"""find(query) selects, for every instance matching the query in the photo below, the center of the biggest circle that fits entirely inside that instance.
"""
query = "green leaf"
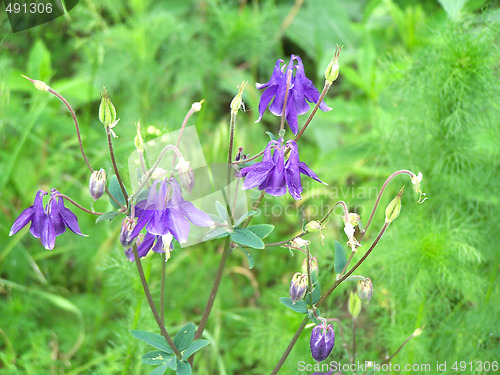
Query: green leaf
(261, 230)
(156, 357)
(216, 233)
(185, 336)
(271, 136)
(221, 210)
(316, 293)
(251, 262)
(194, 347)
(299, 306)
(172, 364)
(246, 237)
(107, 216)
(340, 258)
(160, 370)
(244, 217)
(159, 342)
(183, 368)
(116, 191)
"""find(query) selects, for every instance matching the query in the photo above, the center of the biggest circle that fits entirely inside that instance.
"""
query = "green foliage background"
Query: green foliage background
(418, 90)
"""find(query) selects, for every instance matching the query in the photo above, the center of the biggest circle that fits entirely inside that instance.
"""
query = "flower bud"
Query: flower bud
(298, 287)
(186, 175)
(322, 342)
(418, 332)
(313, 226)
(365, 290)
(42, 86)
(196, 106)
(354, 305)
(139, 143)
(394, 208)
(313, 267)
(107, 111)
(128, 226)
(97, 183)
(332, 70)
(237, 101)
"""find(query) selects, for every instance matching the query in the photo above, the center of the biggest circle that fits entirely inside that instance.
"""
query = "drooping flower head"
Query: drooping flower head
(49, 222)
(274, 175)
(322, 341)
(165, 215)
(301, 91)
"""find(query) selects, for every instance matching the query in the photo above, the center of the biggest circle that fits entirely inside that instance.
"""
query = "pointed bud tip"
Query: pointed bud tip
(40, 85)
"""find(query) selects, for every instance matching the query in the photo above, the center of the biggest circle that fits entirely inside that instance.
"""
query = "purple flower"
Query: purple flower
(274, 175)
(322, 341)
(47, 223)
(165, 214)
(301, 91)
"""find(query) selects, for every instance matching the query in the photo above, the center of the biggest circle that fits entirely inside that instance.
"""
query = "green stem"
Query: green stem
(162, 288)
(215, 288)
(113, 161)
(152, 306)
(77, 127)
(77, 205)
(411, 174)
(337, 282)
(290, 346)
(353, 340)
(322, 299)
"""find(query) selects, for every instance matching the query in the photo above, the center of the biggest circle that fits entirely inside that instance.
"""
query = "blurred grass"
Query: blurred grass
(418, 90)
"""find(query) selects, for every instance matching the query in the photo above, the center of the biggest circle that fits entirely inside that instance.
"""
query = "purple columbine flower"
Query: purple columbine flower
(165, 214)
(300, 91)
(274, 175)
(322, 341)
(49, 222)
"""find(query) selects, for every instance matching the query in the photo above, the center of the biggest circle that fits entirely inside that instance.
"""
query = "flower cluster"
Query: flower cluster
(165, 215)
(274, 175)
(49, 222)
(300, 91)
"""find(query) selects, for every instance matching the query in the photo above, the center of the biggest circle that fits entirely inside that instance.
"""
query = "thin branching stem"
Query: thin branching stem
(77, 127)
(113, 161)
(323, 298)
(409, 173)
(241, 161)
(162, 287)
(303, 233)
(153, 168)
(152, 306)
(215, 288)
(77, 205)
(290, 346)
